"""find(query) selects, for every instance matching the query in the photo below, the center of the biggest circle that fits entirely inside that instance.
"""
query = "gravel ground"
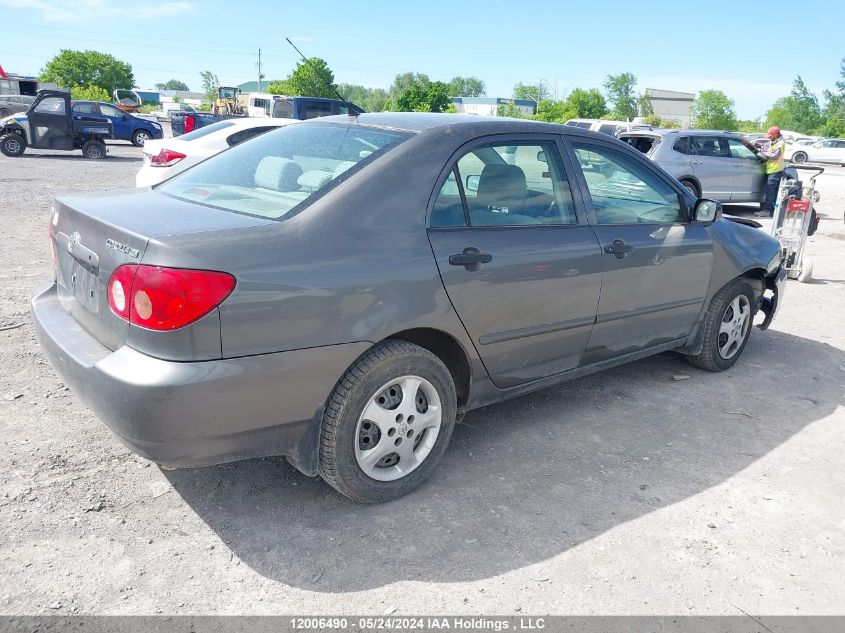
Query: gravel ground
(626, 492)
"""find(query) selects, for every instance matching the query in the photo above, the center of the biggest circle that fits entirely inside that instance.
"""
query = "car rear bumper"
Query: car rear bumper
(182, 414)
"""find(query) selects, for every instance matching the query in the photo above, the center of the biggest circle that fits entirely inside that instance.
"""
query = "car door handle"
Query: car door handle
(697, 162)
(618, 248)
(471, 258)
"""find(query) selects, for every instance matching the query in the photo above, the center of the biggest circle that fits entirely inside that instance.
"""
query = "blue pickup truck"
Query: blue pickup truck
(183, 121)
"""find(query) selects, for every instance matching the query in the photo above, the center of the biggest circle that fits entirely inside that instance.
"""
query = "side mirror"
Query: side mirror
(541, 157)
(472, 183)
(707, 210)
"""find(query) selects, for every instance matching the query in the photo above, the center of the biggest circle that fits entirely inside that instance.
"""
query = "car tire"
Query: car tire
(139, 137)
(4, 113)
(806, 273)
(690, 186)
(12, 145)
(727, 327)
(799, 157)
(379, 384)
(94, 150)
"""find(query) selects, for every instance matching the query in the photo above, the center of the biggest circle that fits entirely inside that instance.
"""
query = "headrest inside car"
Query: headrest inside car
(278, 174)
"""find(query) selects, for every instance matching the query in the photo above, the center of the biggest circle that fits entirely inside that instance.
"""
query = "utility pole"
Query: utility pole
(260, 76)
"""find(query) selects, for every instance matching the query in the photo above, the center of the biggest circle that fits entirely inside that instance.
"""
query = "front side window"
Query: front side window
(624, 191)
(314, 109)
(110, 111)
(280, 172)
(608, 128)
(51, 105)
(509, 185)
(709, 146)
(739, 149)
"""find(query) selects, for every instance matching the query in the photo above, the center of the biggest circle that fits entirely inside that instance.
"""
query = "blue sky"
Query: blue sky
(669, 45)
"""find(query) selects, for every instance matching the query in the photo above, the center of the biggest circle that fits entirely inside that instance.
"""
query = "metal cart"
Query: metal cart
(792, 221)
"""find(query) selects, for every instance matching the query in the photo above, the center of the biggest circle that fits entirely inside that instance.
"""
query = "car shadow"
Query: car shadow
(525, 480)
(77, 156)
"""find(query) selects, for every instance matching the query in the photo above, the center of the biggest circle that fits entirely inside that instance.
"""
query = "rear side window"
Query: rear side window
(245, 135)
(608, 129)
(314, 109)
(279, 173)
(645, 144)
(682, 145)
(506, 185)
(205, 131)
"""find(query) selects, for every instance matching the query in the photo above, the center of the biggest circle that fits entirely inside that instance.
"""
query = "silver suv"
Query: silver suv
(712, 164)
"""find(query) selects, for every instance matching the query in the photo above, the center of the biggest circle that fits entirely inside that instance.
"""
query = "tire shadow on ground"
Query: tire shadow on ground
(525, 480)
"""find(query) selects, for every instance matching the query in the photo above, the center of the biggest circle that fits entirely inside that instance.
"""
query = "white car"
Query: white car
(828, 151)
(167, 157)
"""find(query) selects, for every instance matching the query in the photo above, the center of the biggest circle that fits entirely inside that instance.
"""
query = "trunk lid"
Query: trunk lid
(92, 236)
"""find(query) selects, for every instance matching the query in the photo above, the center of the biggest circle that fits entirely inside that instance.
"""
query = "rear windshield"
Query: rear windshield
(280, 172)
(645, 144)
(205, 131)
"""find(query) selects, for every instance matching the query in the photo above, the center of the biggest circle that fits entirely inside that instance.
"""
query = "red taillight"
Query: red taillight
(166, 158)
(161, 298)
(190, 123)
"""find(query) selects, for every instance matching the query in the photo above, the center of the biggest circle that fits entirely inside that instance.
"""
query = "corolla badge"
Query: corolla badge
(73, 240)
(122, 248)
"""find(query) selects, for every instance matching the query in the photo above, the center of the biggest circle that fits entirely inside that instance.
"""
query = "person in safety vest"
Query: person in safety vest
(773, 154)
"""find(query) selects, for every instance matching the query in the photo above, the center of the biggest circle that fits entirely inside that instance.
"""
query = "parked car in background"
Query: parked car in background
(340, 291)
(827, 151)
(167, 157)
(611, 128)
(12, 104)
(713, 164)
(125, 126)
(301, 108)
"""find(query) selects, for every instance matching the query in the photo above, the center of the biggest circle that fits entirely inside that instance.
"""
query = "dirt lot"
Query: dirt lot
(625, 492)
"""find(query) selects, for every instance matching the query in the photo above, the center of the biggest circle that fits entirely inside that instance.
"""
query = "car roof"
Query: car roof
(667, 132)
(418, 122)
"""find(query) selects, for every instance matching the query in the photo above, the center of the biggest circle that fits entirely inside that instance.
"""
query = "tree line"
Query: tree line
(93, 75)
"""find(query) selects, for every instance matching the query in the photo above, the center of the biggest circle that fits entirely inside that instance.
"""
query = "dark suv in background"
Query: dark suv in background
(711, 164)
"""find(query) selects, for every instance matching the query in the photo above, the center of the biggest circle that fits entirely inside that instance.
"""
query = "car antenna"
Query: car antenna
(349, 109)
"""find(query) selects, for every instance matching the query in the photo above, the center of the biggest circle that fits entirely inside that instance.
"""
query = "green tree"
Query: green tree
(404, 81)
(314, 79)
(466, 87)
(658, 121)
(371, 99)
(509, 110)
(433, 98)
(644, 106)
(209, 85)
(833, 115)
(70, 69)
(585, 104)
(621, 93)
(172, 84)
(712, 109)
(799, 111)
(537, 92)
(90, 93)
(554, 111)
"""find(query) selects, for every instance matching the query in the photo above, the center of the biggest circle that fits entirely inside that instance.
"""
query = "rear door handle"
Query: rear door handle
(471, 259)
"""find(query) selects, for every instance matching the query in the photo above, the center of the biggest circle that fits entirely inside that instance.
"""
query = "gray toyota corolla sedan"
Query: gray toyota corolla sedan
(342, 291)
